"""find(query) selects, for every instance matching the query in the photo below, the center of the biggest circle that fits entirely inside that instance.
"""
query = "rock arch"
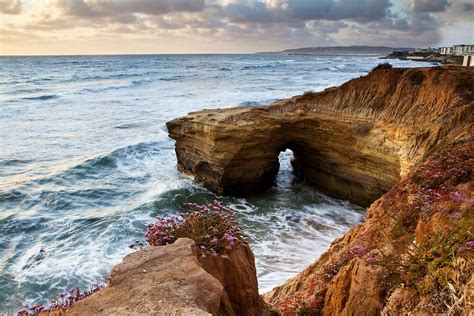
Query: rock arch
(236, 152)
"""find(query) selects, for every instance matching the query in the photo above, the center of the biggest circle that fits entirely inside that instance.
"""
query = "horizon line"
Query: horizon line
(196, 53)
(123, 54)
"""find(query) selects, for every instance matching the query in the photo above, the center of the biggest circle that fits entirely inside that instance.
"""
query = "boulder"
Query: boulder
(171, 280)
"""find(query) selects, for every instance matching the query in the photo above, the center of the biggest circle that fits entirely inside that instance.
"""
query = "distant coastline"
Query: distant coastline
(425, 57)
(341, 51)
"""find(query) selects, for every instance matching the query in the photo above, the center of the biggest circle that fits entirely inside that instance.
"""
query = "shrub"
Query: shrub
(308, 92)
(382, 66)
(458, 288)
(440, 268)
(60, 302)
(213, 228)
(417, 78)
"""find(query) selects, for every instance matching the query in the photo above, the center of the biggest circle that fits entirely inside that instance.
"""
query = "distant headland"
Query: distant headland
(341, 50)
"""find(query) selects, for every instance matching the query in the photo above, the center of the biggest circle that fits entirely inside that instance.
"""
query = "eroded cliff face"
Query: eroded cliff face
(403, 132)
(175, 280)
(355, 141)
(413, 254)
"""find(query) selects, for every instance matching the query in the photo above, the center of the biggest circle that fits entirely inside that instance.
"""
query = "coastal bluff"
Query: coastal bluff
(399, 140)
(354, 141)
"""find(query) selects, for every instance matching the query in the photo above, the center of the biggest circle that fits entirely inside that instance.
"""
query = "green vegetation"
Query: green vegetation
(440, 268)
(417, 78)
(382, 66)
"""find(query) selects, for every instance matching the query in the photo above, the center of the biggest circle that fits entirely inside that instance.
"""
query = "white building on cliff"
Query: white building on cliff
(456, 50)
(468, 59)
(446, 50)
(459, 50)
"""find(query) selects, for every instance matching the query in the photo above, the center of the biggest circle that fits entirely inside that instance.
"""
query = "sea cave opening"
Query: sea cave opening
(289, 174)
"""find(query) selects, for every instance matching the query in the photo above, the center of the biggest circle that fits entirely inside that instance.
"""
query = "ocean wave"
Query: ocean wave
(12, 196)
(140, 81)
(41, 97)
(102, 166)
(14, 162)
(20, 91)
(258, 67)
(128, 125)
(225, 69)
(132, 84)
(172, 78)
(249, 103)
(20, 81)
(120, 75)
(259, 102)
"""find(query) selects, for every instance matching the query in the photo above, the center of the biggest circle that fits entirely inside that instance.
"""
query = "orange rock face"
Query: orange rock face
(400, 139)
(402, 257)
(355, 141)
(237, 273)
(170, 280)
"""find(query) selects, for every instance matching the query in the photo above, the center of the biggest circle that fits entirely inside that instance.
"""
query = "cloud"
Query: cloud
(468, 6)
(426, 6)
(362, 10)
(284, 11)
(235, 25)
(101, 8)
(10, 6)
(458, 11)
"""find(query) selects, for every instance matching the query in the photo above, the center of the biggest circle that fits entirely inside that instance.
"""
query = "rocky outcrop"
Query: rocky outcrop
(355, 141)
(174, 280)
(237, 273)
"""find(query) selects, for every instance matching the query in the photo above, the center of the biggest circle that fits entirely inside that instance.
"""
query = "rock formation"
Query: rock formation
(173, 280)
(403, 132)
(415, 240)
(355, 141)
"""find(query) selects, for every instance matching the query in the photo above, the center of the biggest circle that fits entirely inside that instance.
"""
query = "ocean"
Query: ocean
(86, 163)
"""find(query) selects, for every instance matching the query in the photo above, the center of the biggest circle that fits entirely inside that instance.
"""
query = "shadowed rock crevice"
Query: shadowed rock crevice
(353, 142)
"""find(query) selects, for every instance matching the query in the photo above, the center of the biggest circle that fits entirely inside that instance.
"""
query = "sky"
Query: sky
(62, 27)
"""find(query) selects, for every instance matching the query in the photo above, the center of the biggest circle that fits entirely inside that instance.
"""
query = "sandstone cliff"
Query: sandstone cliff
(174, 280)
(407, 132)
(415, 241)
(355, 141)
